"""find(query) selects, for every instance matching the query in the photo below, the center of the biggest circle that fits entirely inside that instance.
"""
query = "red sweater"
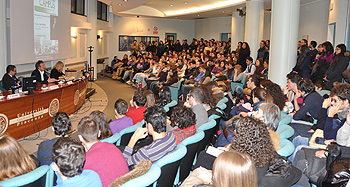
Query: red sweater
(107, 161)
(136, 114)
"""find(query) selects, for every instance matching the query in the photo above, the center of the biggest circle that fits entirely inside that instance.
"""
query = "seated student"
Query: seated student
(9, 79)
(101, 119)
(195, 101)
(68, 156)
(163, 142)
(250, 66)
(320, 87)
(40, 75)
(251, 137)
(122, 121)
(185, 120)
(331, 117)
(137, 107)
(61, 126)
(15, 161)
(292, 88)
(270, 114)
(231, 169)
(312, 101)
(102, 157)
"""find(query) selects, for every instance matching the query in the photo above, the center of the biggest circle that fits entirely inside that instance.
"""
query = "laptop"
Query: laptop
(77, 76)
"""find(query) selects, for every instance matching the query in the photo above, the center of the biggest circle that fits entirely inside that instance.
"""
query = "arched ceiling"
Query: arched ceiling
(180, 9)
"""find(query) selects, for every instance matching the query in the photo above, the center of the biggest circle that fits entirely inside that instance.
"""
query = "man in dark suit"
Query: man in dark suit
(40, 75)
(9, 79)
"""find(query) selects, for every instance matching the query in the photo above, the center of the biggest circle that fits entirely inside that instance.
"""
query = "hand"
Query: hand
(131, 102)
(243, 114)
(204, 175)
(320, 154)
(333, 110)
(224, 149)
(326, 103)
(140, 133)
(325, 78)
(327, 142)
(187, 104)
(297, 95)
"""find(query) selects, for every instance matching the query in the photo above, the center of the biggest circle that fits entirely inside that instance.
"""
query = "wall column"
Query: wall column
(284, 39)
(92, 34)
(236, 30)
(254, 25)
(3, 37)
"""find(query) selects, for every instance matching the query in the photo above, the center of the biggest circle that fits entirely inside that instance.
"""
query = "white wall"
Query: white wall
(212, 27)
(339, 17)
(133, 26)
(313, 20)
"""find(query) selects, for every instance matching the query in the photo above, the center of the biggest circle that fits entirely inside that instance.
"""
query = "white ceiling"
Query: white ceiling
(158, 8)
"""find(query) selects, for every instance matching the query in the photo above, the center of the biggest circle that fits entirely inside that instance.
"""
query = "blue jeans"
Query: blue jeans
(299, 142)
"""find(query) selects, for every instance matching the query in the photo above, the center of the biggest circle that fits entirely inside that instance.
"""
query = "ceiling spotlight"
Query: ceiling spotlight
(125, 0)
(198, 15)
(186, 2)
(223, 11)
(120, 4)
(171, 5)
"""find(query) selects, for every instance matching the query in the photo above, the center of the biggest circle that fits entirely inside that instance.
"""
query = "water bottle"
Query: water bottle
(140, 85)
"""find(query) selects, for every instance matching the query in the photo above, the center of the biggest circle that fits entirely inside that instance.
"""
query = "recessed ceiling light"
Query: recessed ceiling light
(171, 5)
(120, 4)
(186, 2)
(198, 15)
(175, 17)
(204, 8)
(223, 11)
(125, 0)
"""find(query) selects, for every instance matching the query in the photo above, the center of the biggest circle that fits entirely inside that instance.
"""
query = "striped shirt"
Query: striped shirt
(153, 152)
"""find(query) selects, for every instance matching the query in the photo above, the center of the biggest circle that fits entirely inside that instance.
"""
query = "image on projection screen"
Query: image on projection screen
(41, 32)
(43, 44)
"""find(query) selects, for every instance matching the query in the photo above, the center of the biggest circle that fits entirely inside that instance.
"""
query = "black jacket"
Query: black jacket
(8, 81)
(37, 75)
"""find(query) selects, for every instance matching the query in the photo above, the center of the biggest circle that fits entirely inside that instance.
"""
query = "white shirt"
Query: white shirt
(42, 75)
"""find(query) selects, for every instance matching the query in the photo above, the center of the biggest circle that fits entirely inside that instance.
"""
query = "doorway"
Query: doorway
(171, 36)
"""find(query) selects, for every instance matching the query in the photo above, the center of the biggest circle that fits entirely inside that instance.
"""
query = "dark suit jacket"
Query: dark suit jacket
(8, 81)
(37, 75)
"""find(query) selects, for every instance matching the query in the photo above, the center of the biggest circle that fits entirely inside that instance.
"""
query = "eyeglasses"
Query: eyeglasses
(335, 100)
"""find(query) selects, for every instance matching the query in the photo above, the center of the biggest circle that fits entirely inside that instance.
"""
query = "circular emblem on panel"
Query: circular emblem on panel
(3, 123)
(54, 107)
(76, 97)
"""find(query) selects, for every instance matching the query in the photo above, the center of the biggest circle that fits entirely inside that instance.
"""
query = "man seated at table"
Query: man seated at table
(9, 79)
(40, 75)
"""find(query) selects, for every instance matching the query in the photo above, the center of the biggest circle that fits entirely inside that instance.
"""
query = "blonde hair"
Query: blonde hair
(233, 169)
(58, 65)
(15, 160)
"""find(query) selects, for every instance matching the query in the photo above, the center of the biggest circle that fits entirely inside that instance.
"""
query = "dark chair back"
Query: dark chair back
(192, 144)
(126, 138)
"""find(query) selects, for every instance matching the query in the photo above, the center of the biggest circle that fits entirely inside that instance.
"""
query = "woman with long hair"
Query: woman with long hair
(304, 59)
(101, 119)
(151, 101)
(228, 172)
(322, 61)
(164, 96)
(14, 160)
(243, 54)
(57, 71)
(337, 67)
(259, 64)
